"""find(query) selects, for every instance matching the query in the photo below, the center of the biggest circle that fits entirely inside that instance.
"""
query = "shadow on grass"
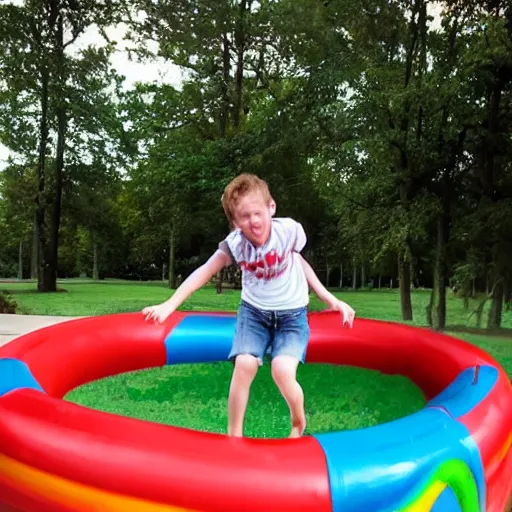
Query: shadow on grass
(31, 292)
(501, 332)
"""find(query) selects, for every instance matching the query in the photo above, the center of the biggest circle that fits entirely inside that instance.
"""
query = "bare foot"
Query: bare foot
(298, 428)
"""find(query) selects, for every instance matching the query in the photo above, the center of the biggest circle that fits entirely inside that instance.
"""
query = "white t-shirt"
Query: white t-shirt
(272, 275)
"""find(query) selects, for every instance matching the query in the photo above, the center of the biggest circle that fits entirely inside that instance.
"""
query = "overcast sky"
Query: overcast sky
(133, 71)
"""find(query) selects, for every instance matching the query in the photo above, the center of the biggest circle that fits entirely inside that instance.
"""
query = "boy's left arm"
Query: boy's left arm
(324, 295)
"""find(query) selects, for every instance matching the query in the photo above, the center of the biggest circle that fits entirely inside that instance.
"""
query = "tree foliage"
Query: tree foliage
(384, 129)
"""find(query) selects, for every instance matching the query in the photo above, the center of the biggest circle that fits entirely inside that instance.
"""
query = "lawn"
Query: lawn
(194, 396)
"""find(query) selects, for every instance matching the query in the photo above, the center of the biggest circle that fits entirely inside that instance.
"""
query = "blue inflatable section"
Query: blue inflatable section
(15, 374)
(200, 339)
(446, 501)
(469, 388)
(397, 458)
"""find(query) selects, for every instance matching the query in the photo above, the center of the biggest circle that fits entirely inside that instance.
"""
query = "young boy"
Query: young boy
(273, 309)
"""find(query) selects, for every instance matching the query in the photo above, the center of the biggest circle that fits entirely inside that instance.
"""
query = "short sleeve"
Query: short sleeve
(224, 247)
(300, 238)
(291, 233)
(230, 244)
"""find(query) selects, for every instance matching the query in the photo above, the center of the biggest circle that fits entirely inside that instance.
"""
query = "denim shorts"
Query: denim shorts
(258, 332)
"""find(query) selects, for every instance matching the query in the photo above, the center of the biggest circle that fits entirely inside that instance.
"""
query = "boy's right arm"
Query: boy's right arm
(194, 281)
(324, 295)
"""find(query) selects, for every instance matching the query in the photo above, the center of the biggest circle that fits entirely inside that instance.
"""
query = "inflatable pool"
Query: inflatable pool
(454, 455)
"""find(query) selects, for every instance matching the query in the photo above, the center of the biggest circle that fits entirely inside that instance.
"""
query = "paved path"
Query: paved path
(12, 326)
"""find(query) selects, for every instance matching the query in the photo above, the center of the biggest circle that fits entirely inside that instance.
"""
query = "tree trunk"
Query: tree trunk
(327, 275)
(341, 275)
(224, 109)
(494, 320)
(440, 268)
(53, 249)
(507, 294)
(354, 277)
(363, 276)
(445, 193)
(20, 261)
(239, 76)
(42, 285)
(218, 282)
(50, 194)
(438, 302)
(404, 276)
(95, 271)
(406, 183)
(466, 301)
(380, 281)
(48, 280)
(172, 254)
(489, 183)
(34, 258)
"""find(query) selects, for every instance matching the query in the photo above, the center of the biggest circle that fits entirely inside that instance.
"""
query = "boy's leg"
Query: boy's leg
(252, 337)
(290, 342)
(246, 367)
(284, 371)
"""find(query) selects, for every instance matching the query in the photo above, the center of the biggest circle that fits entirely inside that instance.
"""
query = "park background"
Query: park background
(383, 127)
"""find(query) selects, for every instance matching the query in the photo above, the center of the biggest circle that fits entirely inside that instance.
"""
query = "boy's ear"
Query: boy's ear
(272, 207)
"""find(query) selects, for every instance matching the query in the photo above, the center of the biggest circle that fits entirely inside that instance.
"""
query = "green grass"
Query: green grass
(195, 396)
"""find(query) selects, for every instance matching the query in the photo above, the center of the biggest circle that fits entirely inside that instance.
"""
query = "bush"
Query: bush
(8, 269)
(7, 304)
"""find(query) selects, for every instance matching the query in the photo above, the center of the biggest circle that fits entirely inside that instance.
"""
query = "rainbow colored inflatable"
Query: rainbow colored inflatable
(455, 455)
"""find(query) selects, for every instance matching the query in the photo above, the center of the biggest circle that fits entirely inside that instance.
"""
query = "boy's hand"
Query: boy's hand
(157, 313)
(347, 312)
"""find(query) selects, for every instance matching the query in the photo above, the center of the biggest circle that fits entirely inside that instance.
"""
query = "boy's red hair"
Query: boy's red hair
(239, 187)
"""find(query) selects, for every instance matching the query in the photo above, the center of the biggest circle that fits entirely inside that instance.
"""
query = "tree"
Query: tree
(41, 77)
(17, 186)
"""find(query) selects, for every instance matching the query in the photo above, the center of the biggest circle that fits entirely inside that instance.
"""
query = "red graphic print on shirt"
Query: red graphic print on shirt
(270, 266)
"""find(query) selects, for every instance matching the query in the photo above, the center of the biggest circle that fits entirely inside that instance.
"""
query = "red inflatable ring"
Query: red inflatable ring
(454, 455)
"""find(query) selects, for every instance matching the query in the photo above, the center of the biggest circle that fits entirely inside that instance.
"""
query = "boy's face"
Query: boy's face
(253, 216)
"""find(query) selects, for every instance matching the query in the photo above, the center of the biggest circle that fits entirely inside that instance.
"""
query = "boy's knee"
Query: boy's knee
(284, 368)
(246, 365)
